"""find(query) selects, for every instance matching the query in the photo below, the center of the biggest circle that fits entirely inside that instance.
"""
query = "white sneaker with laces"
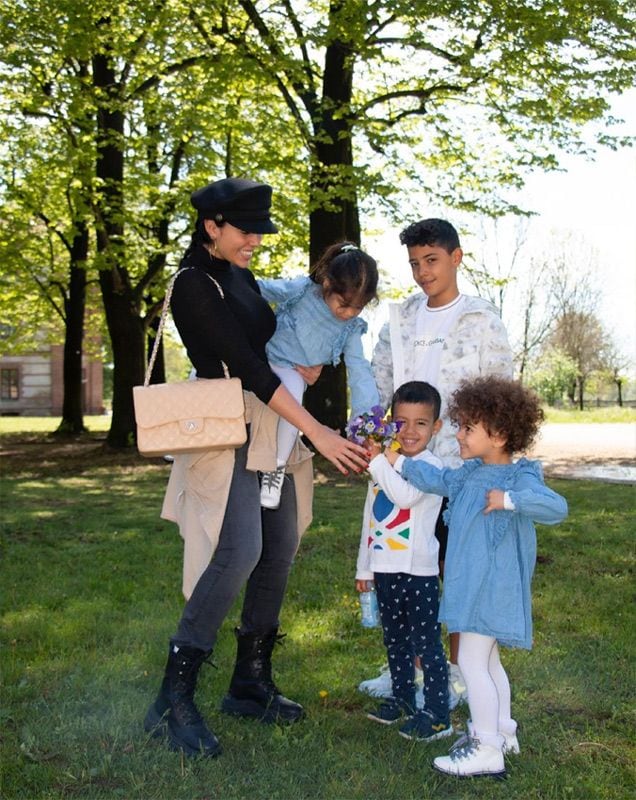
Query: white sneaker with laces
(271, 487)
(382, 686)
(469, 758)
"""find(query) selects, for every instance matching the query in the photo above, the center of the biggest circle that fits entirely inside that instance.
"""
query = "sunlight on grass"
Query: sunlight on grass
(95, 424)
(92, 596)
(592, 415)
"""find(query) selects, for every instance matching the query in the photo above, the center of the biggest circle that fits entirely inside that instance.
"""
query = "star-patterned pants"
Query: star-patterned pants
(409, 605)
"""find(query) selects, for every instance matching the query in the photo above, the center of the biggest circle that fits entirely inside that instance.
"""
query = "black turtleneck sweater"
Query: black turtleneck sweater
(234, 330)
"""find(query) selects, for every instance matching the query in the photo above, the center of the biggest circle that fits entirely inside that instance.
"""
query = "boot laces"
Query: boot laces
(265, 651)
(464, 747)
(183, 687)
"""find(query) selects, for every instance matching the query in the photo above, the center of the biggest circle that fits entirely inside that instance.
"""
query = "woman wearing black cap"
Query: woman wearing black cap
(215, 497)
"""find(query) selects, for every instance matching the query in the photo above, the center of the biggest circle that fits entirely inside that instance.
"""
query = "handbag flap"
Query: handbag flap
(214, 398)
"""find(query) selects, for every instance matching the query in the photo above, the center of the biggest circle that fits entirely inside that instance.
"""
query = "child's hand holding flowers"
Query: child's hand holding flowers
(373, 430)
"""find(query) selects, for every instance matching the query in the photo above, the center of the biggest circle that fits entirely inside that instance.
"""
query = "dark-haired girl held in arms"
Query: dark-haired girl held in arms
(493, 503)
(318, 322)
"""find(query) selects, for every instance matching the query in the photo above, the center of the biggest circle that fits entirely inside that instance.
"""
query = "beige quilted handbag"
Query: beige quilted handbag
(189, 416)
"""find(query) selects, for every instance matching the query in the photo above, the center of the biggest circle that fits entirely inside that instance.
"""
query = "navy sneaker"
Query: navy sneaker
(388, 713)
(424, 727)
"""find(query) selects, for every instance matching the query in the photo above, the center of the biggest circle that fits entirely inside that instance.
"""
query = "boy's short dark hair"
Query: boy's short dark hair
(431, 232)
(417, 392)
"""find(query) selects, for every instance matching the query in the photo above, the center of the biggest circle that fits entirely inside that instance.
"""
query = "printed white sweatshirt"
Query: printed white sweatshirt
(398, 525)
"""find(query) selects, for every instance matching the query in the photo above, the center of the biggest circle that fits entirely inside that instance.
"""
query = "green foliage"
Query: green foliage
(91, 593)
(114, 112)
(552, 375)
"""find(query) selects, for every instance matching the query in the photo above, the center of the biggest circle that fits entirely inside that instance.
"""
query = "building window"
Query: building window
(9, 383)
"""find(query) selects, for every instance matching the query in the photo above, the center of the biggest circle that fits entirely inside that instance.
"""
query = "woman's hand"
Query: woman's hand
(374, 448)
(309, 374)
(342, 453)
(494, 501)
(364, 586)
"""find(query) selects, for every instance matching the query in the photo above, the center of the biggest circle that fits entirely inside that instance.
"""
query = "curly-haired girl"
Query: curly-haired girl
(493, 503)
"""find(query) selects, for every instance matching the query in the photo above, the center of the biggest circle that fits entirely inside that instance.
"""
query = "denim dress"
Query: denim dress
(307, 333)
(490, 557)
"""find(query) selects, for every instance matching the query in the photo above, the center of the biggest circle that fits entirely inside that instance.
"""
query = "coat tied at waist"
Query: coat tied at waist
(199, 486)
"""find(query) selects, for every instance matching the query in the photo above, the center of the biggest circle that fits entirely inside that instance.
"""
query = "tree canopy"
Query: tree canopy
(114, 112)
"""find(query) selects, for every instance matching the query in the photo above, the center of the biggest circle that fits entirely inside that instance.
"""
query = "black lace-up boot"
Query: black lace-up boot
(174, 713)
(252, 691)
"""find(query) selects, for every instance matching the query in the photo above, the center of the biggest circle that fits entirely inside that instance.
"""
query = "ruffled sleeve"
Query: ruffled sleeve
(532, 497)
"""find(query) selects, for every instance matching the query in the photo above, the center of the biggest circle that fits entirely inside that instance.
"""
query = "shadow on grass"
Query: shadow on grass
(91, 594)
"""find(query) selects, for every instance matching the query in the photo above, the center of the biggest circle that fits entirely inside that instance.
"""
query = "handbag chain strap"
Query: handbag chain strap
(162, 322)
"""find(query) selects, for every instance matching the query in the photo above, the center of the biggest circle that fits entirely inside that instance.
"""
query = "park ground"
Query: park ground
(91, 581)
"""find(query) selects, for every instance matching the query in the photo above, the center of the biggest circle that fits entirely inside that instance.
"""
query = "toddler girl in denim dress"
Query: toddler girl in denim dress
(317, 322)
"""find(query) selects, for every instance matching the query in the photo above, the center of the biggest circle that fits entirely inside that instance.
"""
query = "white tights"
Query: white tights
(488, 687)
(287, 432)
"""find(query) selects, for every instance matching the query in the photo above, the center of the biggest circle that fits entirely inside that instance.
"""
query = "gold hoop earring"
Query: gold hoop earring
(214, 250)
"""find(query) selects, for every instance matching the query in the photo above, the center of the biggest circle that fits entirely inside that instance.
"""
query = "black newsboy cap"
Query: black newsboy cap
(241, 202)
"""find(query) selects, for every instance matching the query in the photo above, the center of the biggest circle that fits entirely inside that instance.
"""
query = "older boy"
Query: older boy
(443, 337)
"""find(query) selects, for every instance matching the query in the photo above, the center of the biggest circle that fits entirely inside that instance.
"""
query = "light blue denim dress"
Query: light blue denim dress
(490, 557)
(307, 333)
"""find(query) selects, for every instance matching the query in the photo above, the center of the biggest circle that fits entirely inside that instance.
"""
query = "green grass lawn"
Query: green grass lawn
(609, 414)
(101, 424)
(91, 593)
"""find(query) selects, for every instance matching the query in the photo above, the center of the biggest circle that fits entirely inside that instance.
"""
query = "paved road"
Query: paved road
(600, 441)
(603, 451)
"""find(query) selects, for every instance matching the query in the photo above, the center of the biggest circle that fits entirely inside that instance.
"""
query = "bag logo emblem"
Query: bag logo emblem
(191, 425)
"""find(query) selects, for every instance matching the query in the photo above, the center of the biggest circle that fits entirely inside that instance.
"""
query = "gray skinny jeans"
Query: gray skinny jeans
(256, 549)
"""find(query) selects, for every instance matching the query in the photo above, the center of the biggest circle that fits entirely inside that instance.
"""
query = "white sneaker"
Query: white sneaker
(382, 686)
(469, 758)
(511, 743)
(271, 487)
(457, 692)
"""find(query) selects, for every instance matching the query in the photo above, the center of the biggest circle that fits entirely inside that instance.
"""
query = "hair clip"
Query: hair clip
(347, 247)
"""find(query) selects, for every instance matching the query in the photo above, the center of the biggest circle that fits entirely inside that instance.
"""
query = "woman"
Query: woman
(215, 497)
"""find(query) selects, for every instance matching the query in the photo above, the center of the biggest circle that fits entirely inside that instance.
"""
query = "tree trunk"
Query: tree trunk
(619, 386)
(127, 338)
(74, 308)
(158, 374)
(125, 325)
(334, 214)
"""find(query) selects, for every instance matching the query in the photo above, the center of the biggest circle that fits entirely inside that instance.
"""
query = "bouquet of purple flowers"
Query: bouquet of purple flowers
(372, 425)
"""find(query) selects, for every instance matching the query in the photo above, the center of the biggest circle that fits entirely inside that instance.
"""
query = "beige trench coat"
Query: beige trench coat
(199, 486)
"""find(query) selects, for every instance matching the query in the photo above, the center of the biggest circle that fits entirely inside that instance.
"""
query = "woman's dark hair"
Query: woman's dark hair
(504, 407)
(350, 272)
(200, 236)
(431, 232)
(417, 392)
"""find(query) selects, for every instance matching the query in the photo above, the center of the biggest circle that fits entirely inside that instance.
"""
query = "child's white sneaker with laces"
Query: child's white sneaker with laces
(470, 757)
(382, 686)
(271, 487)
